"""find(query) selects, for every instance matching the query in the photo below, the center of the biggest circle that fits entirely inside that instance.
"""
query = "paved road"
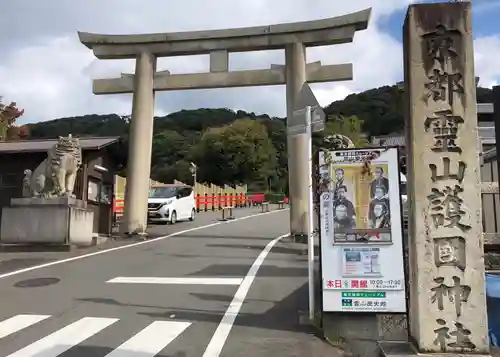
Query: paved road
(229, 289)
(15, 258)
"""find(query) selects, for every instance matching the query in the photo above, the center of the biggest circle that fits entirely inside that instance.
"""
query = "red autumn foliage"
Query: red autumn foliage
(8, 116)
(17, 132)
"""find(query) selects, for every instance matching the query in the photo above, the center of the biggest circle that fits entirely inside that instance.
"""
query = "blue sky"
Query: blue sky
(486, 19)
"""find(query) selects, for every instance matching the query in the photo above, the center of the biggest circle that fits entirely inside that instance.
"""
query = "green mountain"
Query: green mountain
(237, 146)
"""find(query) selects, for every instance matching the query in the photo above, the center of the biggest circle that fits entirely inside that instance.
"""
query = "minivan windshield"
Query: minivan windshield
(163, 192)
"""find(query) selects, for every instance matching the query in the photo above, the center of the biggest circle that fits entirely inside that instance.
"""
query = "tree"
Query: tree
(381, 109)
(177, 171)
(17, 132)
(276, 129)
(350, 126)
(237, 153)
(224, 155)
(168, 147)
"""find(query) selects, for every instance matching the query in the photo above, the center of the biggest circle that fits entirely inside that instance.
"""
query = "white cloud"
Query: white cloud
(48, 81)
(48, 72)
(487, 53)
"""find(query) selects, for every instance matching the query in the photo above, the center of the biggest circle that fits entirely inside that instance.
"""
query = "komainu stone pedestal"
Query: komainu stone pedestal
(60, 221)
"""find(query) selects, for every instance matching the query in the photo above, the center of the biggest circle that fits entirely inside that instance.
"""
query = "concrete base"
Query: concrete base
(60, 201)
(97, 239)
(359, 333)
(60, 221)
(406, 349)
(138, 235)
(299, 238)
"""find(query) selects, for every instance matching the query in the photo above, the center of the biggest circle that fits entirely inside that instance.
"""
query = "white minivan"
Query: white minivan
(171, 203)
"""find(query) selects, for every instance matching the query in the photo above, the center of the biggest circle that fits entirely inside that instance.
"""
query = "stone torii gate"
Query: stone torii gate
(145, 48)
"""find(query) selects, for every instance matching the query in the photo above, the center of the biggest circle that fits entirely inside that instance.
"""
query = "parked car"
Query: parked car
(170, 203)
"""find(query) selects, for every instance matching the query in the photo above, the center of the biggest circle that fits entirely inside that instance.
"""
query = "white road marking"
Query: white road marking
(36, 267)
(151, 340)
(221, 334)
(19, 322)
(179, 281)
(62, 340)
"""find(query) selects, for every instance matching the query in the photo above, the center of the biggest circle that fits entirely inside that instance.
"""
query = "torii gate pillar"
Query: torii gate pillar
(140, 146)
(295, 69)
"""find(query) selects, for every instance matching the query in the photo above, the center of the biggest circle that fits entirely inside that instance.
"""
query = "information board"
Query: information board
(361, 232)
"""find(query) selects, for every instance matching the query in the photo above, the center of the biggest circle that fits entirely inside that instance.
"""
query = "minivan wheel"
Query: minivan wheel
(173, 218)
(193, 214)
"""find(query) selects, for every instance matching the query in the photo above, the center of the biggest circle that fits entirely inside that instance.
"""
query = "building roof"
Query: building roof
(42, 145)
(488, 155)
(389, 140)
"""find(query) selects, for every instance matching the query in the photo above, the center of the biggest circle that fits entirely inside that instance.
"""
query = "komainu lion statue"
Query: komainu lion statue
(56, 175)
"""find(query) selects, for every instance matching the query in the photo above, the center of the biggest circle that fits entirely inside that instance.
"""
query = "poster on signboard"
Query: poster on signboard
(361, 231)
(361, 204)
(360, 261)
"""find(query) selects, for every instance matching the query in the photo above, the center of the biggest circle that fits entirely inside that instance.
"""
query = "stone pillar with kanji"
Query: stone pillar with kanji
(447, 291)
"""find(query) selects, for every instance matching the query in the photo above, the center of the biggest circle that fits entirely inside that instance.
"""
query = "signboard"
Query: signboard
(317, 119)
(297, 124)
(364, 301)
(307, 98)
(361, 232)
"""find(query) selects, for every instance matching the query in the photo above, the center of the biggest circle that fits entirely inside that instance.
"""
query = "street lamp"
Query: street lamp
(192, 169)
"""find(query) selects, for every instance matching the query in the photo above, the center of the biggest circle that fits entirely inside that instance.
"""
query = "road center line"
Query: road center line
(25, 270)
(178, 281)
(221, 334)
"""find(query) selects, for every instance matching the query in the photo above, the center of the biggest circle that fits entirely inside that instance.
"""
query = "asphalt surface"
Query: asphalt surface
(244, 301)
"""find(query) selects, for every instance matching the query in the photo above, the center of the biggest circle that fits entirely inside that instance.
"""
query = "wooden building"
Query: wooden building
(101, 158)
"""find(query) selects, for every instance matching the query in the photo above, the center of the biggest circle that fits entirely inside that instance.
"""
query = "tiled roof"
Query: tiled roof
(91, 143)
(389, 140)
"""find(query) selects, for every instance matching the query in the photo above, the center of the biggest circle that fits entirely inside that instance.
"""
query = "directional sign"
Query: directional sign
(296, 130)
(307, 98)
(317, 120)
(297, 124)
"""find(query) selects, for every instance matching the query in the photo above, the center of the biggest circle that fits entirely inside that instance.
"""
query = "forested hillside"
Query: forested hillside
(239, 147)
